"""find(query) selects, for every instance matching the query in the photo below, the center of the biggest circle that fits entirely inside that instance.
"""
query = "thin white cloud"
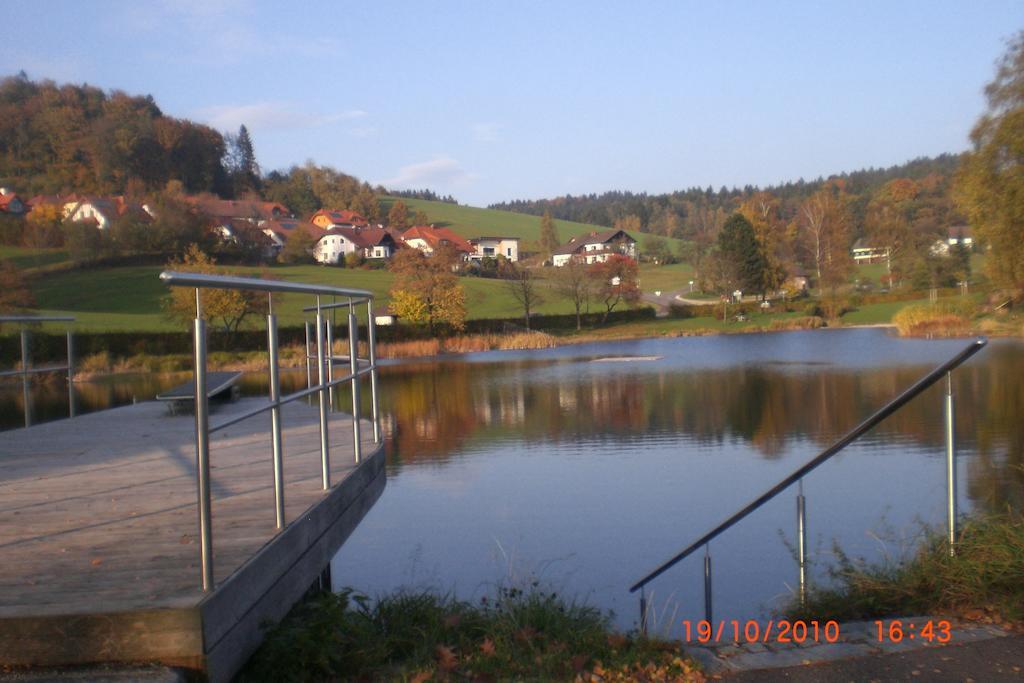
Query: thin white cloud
(271, 115)
(441, 171)
(363, 132)
(487, 132)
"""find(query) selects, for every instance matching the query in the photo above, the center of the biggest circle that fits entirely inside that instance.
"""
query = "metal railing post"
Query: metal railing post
(643, 612)
(371, 343)
(203, 447)
(707, 584)
(71, 374)
(309, 367)
(950, 467)
(275, 419)
(801, 541)
(325, 456)
(26, 395)
(329, 333)
(353, 360)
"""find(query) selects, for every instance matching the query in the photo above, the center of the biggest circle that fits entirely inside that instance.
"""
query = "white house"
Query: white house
(957, 234)
(864, 252)
(493, 247)
(595, 247)
(103, 211)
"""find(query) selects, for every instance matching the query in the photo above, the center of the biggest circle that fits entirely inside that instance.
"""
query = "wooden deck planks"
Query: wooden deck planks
(98, 514)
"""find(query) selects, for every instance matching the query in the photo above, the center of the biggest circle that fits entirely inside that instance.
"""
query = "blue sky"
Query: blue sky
(492, 101)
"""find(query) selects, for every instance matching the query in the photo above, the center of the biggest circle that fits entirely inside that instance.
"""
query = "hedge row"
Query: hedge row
(46, 346)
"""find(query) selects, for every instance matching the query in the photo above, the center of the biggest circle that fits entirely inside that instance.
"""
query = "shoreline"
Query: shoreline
(254, 361)
(248, 365)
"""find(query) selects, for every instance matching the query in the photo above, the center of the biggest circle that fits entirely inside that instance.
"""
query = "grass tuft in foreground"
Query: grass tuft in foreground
(986, 575)
(420, 636)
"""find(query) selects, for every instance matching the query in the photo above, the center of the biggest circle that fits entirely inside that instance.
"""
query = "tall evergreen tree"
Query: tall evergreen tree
(743, 262)
(241, 162)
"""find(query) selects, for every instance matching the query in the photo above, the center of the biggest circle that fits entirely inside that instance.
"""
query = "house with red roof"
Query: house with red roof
(429, 239)
(11, 203)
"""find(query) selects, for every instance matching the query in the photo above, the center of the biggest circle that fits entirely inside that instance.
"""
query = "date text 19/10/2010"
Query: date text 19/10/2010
(800, 631)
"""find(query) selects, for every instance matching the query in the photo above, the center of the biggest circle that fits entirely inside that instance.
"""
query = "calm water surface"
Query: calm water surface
(584, 474)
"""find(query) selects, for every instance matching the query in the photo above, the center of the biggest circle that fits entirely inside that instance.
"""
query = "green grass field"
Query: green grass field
(129, 298)
(27, 257)
(665, 278)
(470, 221)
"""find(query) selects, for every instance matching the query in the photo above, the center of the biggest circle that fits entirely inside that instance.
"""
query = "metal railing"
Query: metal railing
(325, 383)
(797, 478)
(26, 370)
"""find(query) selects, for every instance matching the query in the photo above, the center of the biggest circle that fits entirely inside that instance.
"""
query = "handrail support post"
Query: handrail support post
(643, 612)
(353, 359)
(203, 448)
(801, 541)
(371, 343)
(275, 420)
(26, 394)
(950, 467)
(708, 611)
(325, 456)
(71, 374)
(309, 367)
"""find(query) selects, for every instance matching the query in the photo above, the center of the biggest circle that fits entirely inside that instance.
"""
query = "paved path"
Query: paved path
(995, 659)
(989, 650)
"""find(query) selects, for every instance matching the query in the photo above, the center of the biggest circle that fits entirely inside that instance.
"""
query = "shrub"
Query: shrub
(942, 319)
(680, 311)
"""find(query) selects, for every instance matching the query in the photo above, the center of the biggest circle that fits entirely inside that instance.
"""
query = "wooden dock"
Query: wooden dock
(99, 556)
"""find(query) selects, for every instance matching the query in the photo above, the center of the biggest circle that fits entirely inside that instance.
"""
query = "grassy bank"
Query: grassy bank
(984, 578)
(423, 636)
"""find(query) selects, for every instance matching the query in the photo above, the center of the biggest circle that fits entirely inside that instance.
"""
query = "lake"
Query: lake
(582, 468)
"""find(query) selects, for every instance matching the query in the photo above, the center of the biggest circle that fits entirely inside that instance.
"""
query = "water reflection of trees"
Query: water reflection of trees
(435, 408)
(432, 410)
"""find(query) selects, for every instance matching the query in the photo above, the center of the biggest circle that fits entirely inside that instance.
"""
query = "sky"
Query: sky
(492, 101)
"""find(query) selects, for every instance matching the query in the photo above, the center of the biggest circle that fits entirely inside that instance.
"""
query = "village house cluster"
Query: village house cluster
(267, 226)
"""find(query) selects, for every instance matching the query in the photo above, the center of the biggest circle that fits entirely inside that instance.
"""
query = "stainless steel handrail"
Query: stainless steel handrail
(202, 281)
(325, 359)
(25, 370)
(851, 436)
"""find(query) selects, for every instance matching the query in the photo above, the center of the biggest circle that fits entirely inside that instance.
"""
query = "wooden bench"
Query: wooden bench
(219, 386)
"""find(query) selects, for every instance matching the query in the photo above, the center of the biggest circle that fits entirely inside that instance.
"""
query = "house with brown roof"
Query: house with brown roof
(429, 239)
(279, 231)
(103, 211)
(334, 218)
(595, 247)
(253, 210)
(45, 200)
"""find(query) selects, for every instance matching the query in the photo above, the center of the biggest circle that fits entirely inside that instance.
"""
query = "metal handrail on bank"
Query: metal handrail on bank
(26, 360)
(797, 476)
(325, 360)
